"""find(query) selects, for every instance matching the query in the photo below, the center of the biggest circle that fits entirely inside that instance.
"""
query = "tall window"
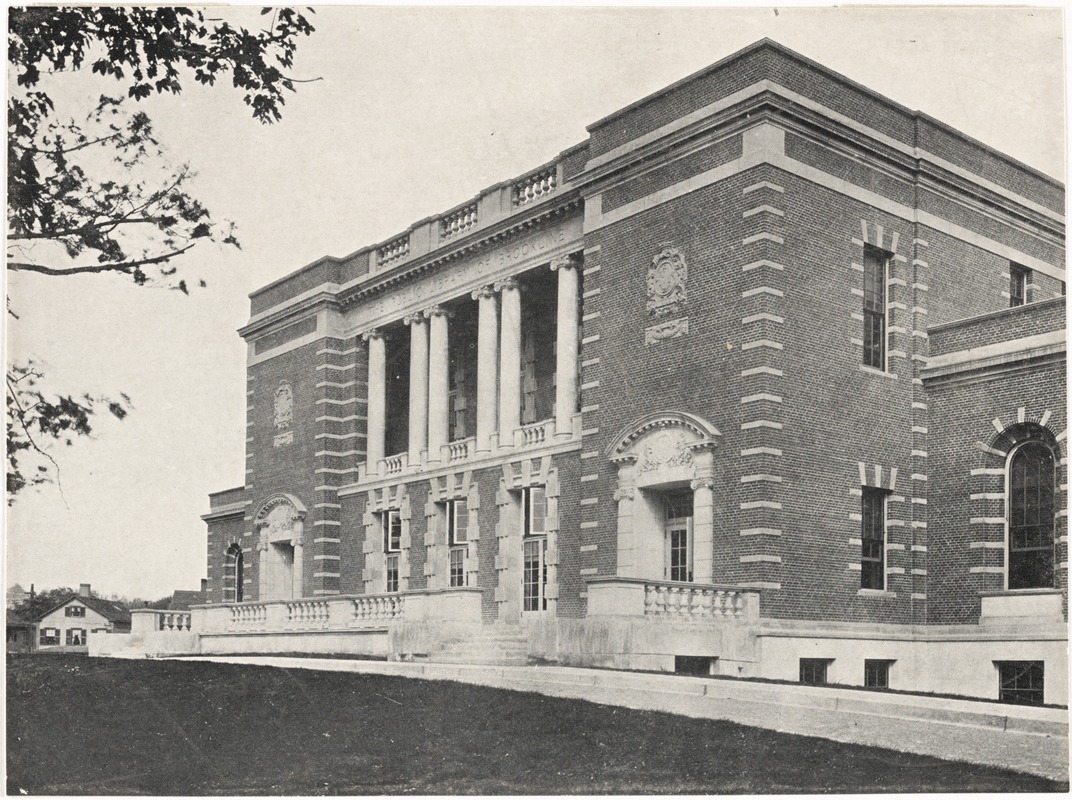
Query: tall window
(1017, 285)
(534, 577)
(392, 547)
(457, 539)
(678, 536)
(1031, 509)
(874, 307)
(873, 538)
(233, 591)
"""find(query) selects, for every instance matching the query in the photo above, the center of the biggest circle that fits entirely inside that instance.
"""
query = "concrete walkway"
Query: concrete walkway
(1022, 738)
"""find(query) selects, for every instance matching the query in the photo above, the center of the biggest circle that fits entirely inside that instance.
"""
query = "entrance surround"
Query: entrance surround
(659, 452)
(281, 524)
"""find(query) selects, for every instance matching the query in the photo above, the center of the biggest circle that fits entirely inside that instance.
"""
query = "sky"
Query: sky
(415, 111)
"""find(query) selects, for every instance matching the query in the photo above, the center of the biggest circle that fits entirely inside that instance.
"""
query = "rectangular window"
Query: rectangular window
(76, 637)
(1021, 682)
(50, 636)
(1017, 285)
(75, 611)
(457, 566)
(813, 670)
(457, 539)
(875, 261)
(534, 501)
(873, 538)
(392, 531)
(677, 509)
(534, 586)
(392, 573)
(534, 561)
(877, 673)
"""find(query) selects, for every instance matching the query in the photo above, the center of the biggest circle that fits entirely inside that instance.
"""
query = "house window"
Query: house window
(873, 538)
(50, 636)
(75, 611)
(76, 637)
(1031, 514)
(1017, 285)
(677, 509)
(1020, 682)
(877, 673)
(534, 564)
(875, 261)
(813, 670)
(392, 547)
(233, 589)
(457, 539)
(392, 531)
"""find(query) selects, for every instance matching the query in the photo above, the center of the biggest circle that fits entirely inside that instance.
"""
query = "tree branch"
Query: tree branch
(126, 266)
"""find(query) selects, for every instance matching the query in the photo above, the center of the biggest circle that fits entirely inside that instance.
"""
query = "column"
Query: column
(377, 400)
(298, 542)
(509, 361)
(263, 588)
(487, 367)
(418, 387)
(567, 343)
(438, 380)
(703, 529)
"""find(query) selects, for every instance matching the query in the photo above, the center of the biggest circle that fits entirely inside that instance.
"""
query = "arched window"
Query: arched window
(232, 575)
(1031, 507)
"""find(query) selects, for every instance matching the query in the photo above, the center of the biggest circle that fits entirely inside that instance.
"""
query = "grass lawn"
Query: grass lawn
(79, 725)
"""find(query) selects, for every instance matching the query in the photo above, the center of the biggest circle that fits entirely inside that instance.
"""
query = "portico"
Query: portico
(526, 383)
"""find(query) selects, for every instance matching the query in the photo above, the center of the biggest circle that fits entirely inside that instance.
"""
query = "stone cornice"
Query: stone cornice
(766, 100)
(993, 358)
(558, 204)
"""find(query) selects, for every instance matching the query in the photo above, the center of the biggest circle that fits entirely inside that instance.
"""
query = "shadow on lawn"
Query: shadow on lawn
(102, 726)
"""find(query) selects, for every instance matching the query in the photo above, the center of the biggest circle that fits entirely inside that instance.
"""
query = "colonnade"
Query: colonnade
(498, 392)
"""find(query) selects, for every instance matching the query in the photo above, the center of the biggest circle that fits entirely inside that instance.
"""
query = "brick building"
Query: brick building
(764, 378)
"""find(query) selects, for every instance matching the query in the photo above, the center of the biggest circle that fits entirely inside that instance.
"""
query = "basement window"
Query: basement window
(877, 673)
(813, 670)
(1020, 682)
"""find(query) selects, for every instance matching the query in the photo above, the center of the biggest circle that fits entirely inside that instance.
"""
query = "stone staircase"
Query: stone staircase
(502, 645)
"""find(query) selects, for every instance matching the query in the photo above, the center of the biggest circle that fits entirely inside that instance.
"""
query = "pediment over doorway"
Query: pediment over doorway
(280, 518)
(663, 447)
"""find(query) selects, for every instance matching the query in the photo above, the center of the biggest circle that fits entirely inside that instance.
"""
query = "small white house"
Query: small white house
(69, 625)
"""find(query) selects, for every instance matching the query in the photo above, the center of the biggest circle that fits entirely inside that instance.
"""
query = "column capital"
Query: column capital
(413, 319)
(506, 283)
(703, 483)
(569, 261)
(375, 333)
(438, 311)
(484, 291)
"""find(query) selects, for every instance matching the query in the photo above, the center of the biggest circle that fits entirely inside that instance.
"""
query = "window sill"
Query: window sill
(875, 593)
(873, 371)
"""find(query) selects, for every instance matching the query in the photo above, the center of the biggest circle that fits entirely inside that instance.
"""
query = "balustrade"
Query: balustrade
(392, 465)
(173, 621)
(692, 602)
(245, 617)
(457, 222)
(377, 609)
(308, 614)
(535, 433)
(393, 250)
(535, 186)
(460, 450)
